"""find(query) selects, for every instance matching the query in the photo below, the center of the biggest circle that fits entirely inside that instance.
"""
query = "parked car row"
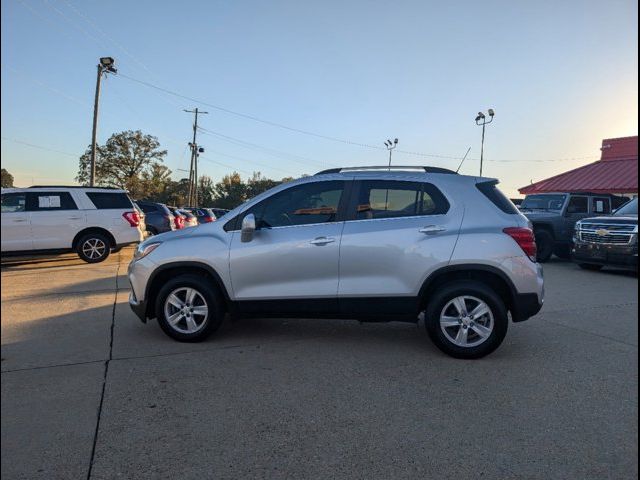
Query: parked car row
(161, 218)
(593, 229)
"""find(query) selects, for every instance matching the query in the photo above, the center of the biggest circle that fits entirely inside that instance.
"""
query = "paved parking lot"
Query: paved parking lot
(88, 390)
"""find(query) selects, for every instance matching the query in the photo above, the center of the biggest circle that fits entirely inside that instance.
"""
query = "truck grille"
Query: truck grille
(603, 233)
(617, 239)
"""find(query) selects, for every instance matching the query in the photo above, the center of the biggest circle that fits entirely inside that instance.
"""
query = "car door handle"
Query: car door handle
(432, 229)
(322, 240)
(16, 220)
(75, 218)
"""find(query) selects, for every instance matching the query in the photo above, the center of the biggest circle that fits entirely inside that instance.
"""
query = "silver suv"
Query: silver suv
(367, 243)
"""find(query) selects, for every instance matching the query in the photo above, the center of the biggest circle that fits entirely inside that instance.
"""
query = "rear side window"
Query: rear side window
(491, 191)
(107, 200)
(578, 205)
(45, 201)
(393, 199)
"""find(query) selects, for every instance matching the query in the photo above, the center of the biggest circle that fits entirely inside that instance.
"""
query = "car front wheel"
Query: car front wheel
(188, 308)
(466, 319)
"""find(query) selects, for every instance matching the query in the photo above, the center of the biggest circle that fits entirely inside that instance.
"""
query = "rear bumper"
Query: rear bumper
(526, 305)
(615, 255)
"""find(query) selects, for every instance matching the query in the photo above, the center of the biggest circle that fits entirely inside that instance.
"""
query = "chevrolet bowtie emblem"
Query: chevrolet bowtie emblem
(601, 232)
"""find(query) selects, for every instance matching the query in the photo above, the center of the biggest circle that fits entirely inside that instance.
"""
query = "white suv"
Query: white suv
(91, 221)
(374, 244)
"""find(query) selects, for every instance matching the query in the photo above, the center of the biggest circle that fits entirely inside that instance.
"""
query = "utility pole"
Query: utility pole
(193, 169)
(104, 66)
(481, 119)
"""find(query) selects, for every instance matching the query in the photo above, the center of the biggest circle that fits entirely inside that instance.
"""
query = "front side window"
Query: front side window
(306, 204)
(578, 205)
(392, 199)
(13, 202)
(44, 201)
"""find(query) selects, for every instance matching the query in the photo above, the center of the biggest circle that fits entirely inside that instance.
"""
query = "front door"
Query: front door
(294, 252)
(16, 229)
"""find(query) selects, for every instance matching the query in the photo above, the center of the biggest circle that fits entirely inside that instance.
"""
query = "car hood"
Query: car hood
(614, 219)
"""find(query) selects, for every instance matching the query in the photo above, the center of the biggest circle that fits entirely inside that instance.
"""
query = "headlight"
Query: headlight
(579, 226)
(144, 250)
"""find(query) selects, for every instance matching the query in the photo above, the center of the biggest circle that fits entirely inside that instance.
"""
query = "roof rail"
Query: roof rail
(388, 168)
(74, 186)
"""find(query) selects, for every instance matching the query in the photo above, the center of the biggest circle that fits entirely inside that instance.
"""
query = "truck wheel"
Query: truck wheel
(544, 241)
(466, 319)
(94, 248)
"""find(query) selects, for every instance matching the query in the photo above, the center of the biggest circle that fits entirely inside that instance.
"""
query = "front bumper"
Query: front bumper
(606, 254)
(139, 307)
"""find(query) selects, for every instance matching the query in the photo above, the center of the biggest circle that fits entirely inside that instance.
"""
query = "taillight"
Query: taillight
(525, 238)
(132, 217)
(208, 219)
(179, 219)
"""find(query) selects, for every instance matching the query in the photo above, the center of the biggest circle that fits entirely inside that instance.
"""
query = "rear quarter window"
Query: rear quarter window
(109, 200)
(499, 199)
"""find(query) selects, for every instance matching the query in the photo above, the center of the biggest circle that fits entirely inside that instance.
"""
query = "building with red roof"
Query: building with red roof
(616, 172)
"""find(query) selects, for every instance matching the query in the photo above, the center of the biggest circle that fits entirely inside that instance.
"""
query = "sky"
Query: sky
(294, 87)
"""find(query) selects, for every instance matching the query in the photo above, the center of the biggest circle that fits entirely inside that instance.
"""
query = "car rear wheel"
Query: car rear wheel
(544, 242)
(94, 248)
(188, 308)
(590, 266)
(466, 319)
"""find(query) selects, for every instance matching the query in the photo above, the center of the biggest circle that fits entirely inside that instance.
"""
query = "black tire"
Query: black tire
(544, 242)
(590, 266)
(448, 292)
(213, 302)
(86, 245)
(563, 252)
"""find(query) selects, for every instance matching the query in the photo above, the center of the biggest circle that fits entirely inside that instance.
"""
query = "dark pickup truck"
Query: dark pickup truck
(554, 215)
(608, 240)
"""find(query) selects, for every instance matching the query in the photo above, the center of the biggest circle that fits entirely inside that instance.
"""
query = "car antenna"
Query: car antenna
(463, 158)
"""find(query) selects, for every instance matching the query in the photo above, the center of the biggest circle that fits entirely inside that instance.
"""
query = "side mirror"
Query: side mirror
(248, 228)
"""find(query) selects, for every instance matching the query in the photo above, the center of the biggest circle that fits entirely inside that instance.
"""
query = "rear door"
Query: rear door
(55, 219)
(16, 227)
(395, 233)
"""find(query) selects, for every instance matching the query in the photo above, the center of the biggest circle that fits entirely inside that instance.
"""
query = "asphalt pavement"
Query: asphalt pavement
(88, 391)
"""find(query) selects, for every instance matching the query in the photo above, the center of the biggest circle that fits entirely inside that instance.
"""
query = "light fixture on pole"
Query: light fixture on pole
(481, 119)
(105, 65)
(390, 146)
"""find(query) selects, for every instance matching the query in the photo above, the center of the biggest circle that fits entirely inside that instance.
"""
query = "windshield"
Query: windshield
(630, 208)
(543, 202)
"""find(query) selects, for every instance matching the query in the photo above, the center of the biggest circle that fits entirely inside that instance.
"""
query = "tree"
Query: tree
(155, 182)
(206, 191)
(122, 161)
(7, 179)
(230, 191)
(258, 184)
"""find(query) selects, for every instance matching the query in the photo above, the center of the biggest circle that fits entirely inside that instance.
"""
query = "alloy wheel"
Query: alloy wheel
(466, 321)
(186, 310)
(94, 248)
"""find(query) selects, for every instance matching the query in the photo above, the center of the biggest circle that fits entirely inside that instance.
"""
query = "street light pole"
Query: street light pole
(390, 146)
(193, 169)
(104, 66)
(481, 119)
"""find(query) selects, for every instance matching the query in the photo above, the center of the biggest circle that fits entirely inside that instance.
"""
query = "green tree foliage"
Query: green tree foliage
(7, 179)
(123, 161)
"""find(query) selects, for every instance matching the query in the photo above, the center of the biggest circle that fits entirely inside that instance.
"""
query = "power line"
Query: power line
(40, 147)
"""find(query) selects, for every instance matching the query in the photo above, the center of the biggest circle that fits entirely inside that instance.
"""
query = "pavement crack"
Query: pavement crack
(104, 378)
